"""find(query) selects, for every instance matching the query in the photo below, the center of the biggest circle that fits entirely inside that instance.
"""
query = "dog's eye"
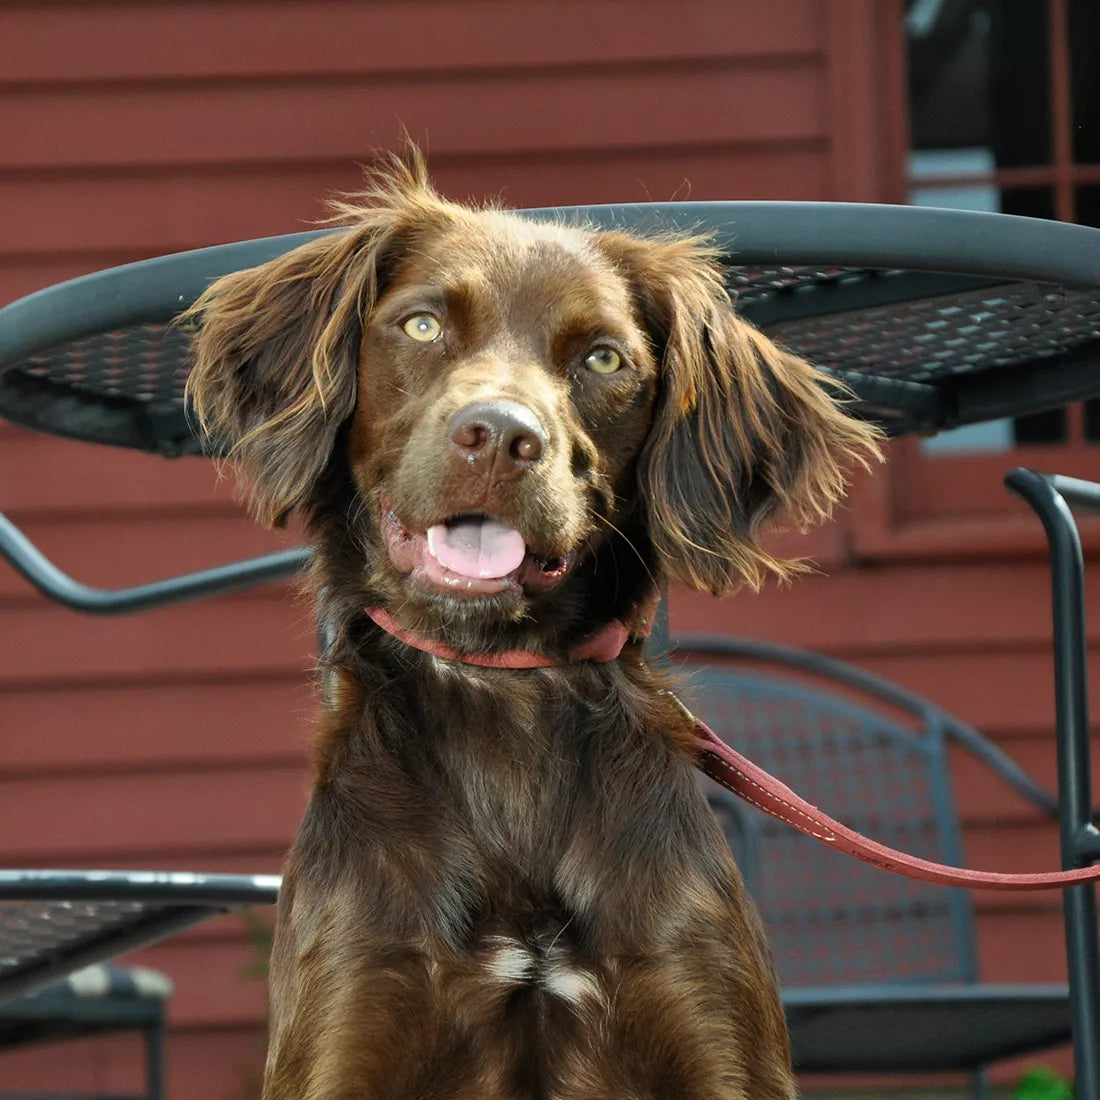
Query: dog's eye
(423, 327)
(603, 360)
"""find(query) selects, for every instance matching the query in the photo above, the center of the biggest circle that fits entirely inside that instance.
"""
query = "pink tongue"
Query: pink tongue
(477, 547)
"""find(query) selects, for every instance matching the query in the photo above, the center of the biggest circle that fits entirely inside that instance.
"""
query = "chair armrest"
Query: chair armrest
(31, 563)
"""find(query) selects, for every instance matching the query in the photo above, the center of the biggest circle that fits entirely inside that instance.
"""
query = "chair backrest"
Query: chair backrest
(875, 758)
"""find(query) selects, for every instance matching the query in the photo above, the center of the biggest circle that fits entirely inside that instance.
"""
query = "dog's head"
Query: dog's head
(512, 421)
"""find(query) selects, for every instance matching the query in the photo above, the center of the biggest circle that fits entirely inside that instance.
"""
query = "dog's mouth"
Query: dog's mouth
(471, 555)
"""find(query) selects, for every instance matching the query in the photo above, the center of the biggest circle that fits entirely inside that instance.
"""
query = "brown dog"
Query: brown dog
(504, 436)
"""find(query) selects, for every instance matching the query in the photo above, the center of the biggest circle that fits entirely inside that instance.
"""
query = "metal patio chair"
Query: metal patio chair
(97, 1000)
(879, 973)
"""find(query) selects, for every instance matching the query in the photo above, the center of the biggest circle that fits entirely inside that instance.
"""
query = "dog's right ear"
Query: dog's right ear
(275, 360)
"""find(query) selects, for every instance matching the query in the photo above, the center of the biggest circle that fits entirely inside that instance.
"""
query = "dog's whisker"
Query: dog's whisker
(630, 545)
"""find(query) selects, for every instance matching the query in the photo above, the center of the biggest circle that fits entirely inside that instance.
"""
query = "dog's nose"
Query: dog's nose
(504, 435)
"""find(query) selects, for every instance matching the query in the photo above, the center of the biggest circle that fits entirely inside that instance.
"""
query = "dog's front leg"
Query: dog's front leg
(353, 1017)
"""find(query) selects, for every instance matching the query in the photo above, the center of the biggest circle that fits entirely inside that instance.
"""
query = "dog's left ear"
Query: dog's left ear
(742, 431)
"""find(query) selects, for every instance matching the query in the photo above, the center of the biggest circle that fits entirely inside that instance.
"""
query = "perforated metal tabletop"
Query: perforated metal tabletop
(54, 922)
(935, 318)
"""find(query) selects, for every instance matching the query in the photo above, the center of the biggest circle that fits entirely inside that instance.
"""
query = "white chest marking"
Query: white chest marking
(513, 963)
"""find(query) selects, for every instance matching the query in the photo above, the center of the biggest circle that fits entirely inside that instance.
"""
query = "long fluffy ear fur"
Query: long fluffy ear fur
(742, 430)
(277, 346)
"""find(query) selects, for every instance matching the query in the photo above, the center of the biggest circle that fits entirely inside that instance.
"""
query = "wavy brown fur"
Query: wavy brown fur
(744, 430)
(507, 884)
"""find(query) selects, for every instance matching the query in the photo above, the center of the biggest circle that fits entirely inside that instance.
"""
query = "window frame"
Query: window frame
(952, 506)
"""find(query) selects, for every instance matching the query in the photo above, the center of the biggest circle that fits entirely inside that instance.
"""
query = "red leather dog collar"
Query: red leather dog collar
(603, 646)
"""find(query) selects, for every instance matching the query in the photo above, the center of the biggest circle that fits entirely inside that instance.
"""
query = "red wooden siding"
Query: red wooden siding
(178, 739)
(175, 125)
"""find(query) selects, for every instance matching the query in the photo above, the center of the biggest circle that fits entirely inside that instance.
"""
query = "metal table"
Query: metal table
(54, 922)
(933, 318)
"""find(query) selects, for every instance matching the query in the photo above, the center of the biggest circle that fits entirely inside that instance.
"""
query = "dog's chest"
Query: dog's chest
(557, 797)
(474, 806)
(515, 773)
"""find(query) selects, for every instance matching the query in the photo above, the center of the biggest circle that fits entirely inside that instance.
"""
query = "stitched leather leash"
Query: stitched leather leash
(747, 781)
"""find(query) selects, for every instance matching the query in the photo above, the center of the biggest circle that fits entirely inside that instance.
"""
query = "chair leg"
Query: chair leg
(154, 1061)
(979, 1085)
(1050, 497)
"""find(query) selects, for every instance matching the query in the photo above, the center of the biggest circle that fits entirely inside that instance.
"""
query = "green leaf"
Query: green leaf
(1041, 1083)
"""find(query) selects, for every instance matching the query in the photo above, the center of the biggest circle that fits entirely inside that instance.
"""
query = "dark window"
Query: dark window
(1084, 34)
(1092, 420)
(1004, 115)
(979, 78)
(1042, 427)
